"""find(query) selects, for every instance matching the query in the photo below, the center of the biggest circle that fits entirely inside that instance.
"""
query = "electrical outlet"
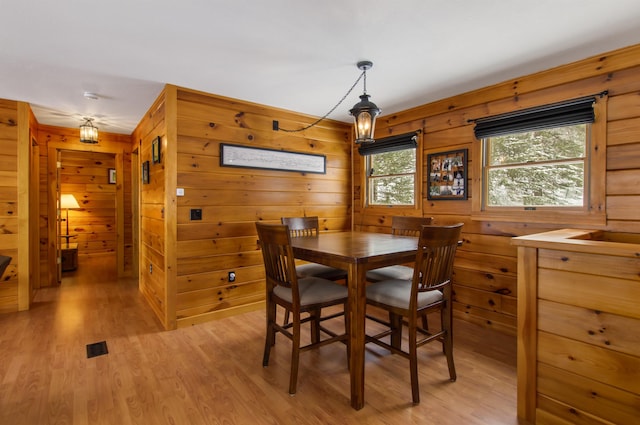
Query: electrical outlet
(196, 214)
(232, 276)
(150, 268)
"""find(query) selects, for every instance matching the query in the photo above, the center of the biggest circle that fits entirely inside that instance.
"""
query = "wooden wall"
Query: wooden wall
(485, 269)
(233, 199)
(9, 203)
(85, 175)
(184, 263)
(100, 229)
(156, 238)
(18, 195)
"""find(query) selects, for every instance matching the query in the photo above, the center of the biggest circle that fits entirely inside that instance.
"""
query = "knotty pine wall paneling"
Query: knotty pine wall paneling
(85, 175)
(18, 199)
(233, 199)
(9, 226)
(157, 239)
(486, 264)
(31, 244)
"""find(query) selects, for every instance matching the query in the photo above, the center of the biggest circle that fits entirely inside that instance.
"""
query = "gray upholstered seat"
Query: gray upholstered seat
(390, 272)
(397, 293)
(402, 226)
(313, 290)
(320, 270)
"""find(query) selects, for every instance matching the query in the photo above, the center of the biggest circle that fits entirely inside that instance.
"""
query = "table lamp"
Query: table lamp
(68, 201)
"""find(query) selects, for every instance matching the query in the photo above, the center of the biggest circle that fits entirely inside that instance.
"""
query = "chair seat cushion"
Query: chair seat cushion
(313, 290)
(397, 292)
(390, 272)
(320, 270)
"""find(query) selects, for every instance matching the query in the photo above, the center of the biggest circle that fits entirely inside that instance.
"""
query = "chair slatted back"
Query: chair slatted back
(279, 264)
(302, 226)
(408, 226)
(434, 261)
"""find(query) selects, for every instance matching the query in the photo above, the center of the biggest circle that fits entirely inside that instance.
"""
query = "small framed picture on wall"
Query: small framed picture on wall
(145, 172)
(112, 176)
(155, 150)
(447, 173)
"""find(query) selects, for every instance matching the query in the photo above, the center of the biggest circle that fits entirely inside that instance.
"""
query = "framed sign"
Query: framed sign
(145, 172)
(112, 176)
(271, 159)
(155, 150)
(447, 173)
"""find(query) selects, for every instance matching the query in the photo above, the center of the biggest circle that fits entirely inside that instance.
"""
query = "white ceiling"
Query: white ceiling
(294, 54)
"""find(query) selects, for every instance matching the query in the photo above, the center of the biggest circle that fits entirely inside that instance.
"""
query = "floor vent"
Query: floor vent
(97, 349)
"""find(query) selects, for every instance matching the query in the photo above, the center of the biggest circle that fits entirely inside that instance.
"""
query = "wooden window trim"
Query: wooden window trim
(594, 214)
(417, 184)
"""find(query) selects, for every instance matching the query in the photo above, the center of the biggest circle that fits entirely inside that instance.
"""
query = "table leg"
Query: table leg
(357, 306)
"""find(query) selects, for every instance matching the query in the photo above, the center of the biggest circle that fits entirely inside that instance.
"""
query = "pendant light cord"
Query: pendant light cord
(364, 74)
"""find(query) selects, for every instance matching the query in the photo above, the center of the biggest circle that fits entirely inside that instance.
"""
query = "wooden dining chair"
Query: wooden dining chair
(428, 290)
(402, 226)
(301, 227)
(298, 295)
(304, 227)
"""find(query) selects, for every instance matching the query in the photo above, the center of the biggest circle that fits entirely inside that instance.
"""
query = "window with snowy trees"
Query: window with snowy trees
(537, 168)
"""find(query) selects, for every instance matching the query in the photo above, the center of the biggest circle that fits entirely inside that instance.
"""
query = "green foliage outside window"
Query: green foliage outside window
(537, 168)
(391, 177)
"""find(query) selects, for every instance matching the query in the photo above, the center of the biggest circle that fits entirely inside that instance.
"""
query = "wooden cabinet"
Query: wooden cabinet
(69, 254)
(578, 327)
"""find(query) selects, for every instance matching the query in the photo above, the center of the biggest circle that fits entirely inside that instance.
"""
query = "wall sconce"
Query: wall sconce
(364, 112)
(88, 132)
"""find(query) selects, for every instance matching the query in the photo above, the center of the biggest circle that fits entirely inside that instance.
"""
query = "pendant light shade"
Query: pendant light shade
(364, 112)
(88, 132)
(364, 117)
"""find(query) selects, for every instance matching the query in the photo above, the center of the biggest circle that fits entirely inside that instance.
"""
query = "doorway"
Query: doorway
(88, 206)
(95, 227)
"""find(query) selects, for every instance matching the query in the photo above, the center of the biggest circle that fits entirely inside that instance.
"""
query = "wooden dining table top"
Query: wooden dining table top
(356, 252)
(364, 248)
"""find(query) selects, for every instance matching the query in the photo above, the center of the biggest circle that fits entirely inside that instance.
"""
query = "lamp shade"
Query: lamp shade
(67, 200)
(88, 132)
(364, 117)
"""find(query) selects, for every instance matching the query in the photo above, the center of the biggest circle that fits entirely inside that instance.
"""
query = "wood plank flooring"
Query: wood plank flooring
(212, 373)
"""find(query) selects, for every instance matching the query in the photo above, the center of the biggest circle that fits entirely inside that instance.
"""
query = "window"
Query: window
(542, 164)
(541, 168)
(391, 170)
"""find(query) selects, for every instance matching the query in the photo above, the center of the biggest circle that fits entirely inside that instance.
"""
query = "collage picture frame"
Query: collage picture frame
(447, 173)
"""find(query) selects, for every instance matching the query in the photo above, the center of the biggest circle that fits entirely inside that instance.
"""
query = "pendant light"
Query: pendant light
(364, 112)
(88, 132)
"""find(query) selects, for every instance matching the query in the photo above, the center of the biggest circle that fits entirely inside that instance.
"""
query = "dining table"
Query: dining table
(356, 252)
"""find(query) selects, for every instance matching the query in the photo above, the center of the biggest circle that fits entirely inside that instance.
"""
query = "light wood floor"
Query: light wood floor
(212, 373)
